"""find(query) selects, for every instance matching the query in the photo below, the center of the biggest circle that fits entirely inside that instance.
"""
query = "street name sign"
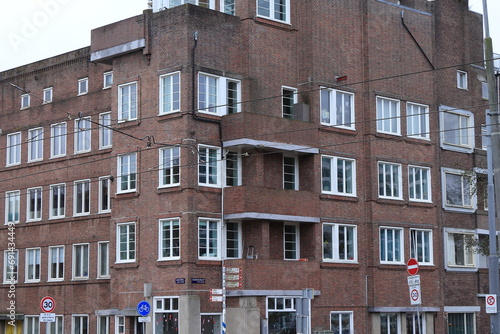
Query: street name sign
(414, 280)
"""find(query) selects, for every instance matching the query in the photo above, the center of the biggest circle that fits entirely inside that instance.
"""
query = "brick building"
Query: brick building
(310, 144)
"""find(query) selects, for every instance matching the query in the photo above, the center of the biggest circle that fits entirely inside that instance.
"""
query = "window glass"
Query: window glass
(421, 246)
(460, 254)
(58, 140)
(274, 9)
(34, 204)
(126, 242)
(169, 167)
(341, 322)
(82, 135)
(461, 323)
(337, 108)
(169, 239)
(338, 176)
(103, 260)
(107, 80)
(81, 261)
(209, 239)
(170, 93)
(291, 241)
(290, 173)
(56, 263)
(33, 265)
(391, 245)
(127, 169)
(419, 183)
(127, 102)
(47, 95)
(218, 95)
(82, 197)
(83, 86)
(389, 180)
(208, 166)
(14, 149)
(339, 243)
(35, 144)
(12, 206)
(417, 120)
(105, 131)
(10, 267)
(288, 99)
(388, 116)
(57, 200)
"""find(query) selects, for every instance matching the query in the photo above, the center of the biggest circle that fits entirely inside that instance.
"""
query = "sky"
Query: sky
(32, 30)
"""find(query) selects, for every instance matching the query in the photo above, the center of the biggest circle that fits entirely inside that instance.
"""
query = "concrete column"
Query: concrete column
(189, 314)
(244, 319)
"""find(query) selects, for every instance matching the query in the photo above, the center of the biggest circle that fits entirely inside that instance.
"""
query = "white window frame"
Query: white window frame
(413, 192)
(103, 324)
(216, 101)
(228, 6)
(83, 324)
(170, 93)
(57, 201)
(119, 324)
(12, 207)
(127, 100)
(268, 10)
(205, 239)
(31, 324)
(238, 242)
(56, 257)
(329, 104)
(169, 167)
(164, 305)
(422, 248)
(104, 205)
(165, 4)
(58, 133)
(25, 101)
(335, 243)
(127, 173)
(383, 246)
(35, 144)
(103, 268)
(81, 262)
(206, 166)
(13, 149)
(394, 187)
(289, 97)
(107, 80)
(105, 132)
(280, 304)
(295, 242)
(333, 176)
(288, 174)
(81, 199)
(466, 183)
(83, 135)
(340, 314)
(33, 265)
(465, 132)
(469, 257)
(171, 228)
(464, 315)
(10, 266)
(83, 86)
(130, 239)
(232, 168)
(47, 95)
(34, 210)
(58, 326)
(417, 121)
(398, 330)
(388, 121)
(462, 80)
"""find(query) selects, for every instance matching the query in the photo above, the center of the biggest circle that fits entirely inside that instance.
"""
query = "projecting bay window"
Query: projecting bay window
(339, 243)
(82, 135)
(81, 198)
(57, 201)
(338, 176)
(276, 10)
(337, 108)
(170, 239)
(12, 207)
(56, 263)
(288, 99)
(218, 95)
(458, 192)
(126, 239)
(13, 149)
(209, 166)
(169, 167)
(127, 173)
(457, 130)
(34, 204)
(127, 102)
(35, 144)
(391, 245)
(58, 140)
(170, 93)
(459, 252)
(388, 116)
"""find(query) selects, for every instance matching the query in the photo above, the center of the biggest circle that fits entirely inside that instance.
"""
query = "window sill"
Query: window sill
(393, 201)
(209, 263)
(335, 129)
(332, 197)
(163, 263)
(273, 23)
(421, 204)
(125, 265)
(168, 116)
(172, 189)
(337, 265)
(418, 141)
(127, 195)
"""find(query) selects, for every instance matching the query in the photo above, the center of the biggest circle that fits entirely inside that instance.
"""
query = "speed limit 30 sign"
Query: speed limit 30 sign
(48, 304)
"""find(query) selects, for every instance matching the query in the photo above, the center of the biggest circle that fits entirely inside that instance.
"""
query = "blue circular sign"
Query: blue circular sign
(143, 308)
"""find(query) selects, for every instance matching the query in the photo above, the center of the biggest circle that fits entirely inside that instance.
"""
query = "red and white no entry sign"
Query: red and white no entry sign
(48, 304)
(412, 266)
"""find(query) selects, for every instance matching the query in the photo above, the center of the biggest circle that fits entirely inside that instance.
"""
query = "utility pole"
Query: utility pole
(493, 122)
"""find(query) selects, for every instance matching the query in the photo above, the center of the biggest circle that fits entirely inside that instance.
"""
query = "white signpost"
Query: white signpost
(491, 303)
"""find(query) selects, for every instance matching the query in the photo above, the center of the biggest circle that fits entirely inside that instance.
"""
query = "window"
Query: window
(81, 261)
(56, 327)
(82, 135)
(457, 130)
(278, 10)
(166, 313)
(485, 91)
(417, 120)
(458, 192)
(83, 86)
(103, 259)
(209, 240)
(281, 315)
(127, 102)
(461, 323)
(169, 167)
(218, 95)
(170, 93)
(12, 207)
(34, 205)
(103, 324)
(56, 263)
(419, 183)
(47, 95)
(35, 144)
(412, 323)
(391, 245)
(211, 323)
(228, 7)
(57, 200)
(337, 108)
(233, 168)
(233, 240)
(58, 140)
(127, 169)
(80, 324)
(462, 80)
(105, 132)
(290, 173)
(125, 242)
(389, 323)
(291, 241)
(14, 149)
(459, 253)
(173, 3)
(32, 324)
(81, 198)
(388, 116)
(288, 99)
(338, 176)
(209, 166)
(421, 246)
(107, 79)
(340, 243)
(341, 322)
(10, 266)
(32, 264)
(389, 180)
(170, 239)
(25, 101)
(104, 194)
(120, 324)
